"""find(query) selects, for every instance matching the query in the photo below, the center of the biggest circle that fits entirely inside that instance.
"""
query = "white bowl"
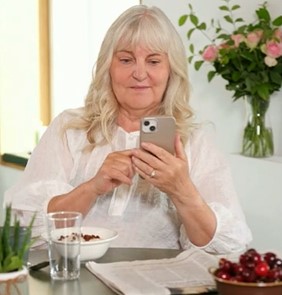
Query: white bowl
(89, 250)
(97, 248)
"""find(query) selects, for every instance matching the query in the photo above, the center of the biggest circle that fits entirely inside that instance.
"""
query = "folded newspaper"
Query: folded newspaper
(187, 273)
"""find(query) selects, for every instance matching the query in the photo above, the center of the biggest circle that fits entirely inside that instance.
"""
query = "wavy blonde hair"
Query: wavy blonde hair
(151, 28)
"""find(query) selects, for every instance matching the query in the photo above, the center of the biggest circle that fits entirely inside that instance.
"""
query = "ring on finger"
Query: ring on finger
(153, 173)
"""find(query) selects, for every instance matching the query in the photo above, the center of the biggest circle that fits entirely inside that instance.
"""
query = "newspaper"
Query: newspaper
(187, 273)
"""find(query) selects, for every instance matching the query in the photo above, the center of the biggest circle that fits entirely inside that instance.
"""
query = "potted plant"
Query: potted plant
(15, 242)
(248, 56)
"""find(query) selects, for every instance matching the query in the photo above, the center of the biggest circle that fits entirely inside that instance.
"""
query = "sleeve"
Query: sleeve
(47, 173)
(211, 174)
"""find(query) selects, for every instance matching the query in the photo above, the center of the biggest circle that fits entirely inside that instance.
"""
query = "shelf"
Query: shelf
(273, 159)
(16, 159)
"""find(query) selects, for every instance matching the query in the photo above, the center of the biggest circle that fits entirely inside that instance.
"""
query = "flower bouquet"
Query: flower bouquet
(249, 58)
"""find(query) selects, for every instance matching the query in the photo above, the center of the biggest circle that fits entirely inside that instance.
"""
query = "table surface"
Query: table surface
(40, 282)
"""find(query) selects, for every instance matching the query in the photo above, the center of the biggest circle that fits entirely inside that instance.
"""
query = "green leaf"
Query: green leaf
(224, 8)
(198, 64)
(228, 19)
(211, 75)
(239, 20)
(194, 20)
(263, 14)
(234, 7)
(189, 33)
(236, 76)
(191, 48)
(190, 58)
(263, 91)
(12, 263)
(278, 21)
(202, 26)
(276, 78)
(182, 20)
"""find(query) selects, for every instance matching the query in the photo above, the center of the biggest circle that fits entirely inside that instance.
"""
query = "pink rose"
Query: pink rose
(270, 61)
(273, 49)
(237, 38)
(278, 34)
(223, 46)
(253, 39)
(210, 53)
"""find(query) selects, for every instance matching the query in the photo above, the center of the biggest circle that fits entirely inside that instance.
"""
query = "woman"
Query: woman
(89, 159)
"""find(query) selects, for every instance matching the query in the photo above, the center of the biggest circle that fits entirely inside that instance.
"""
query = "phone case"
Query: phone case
(159, 130)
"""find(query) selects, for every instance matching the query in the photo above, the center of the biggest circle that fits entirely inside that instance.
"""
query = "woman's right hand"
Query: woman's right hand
(116, 169)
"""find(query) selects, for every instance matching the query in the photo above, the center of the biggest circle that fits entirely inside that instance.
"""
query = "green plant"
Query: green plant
(12, 250)
(247, 56)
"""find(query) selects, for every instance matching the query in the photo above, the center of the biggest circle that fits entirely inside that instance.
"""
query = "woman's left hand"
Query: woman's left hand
(167, 172)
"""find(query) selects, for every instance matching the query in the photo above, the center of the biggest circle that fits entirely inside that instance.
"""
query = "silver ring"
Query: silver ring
(153, 173)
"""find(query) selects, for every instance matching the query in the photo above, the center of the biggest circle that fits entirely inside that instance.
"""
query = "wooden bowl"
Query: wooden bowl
(225, 287)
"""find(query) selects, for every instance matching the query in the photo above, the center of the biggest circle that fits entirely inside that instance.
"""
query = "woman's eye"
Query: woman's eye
(154, 61)
(125, 60)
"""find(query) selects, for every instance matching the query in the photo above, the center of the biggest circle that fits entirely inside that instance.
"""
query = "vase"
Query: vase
(257, 136)
(14, 283)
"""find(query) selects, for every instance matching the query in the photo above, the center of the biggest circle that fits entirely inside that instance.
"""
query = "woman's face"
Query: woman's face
(139, 79)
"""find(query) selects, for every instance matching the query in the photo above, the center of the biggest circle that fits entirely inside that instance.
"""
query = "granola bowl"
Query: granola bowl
(95, 247)
(95, 242)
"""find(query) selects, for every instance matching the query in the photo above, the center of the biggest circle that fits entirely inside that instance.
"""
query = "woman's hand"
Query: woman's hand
(170, 174)
(167, 172)
(116, 169)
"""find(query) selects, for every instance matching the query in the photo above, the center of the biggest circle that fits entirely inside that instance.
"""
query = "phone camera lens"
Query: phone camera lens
(146, 123)
(152, 128)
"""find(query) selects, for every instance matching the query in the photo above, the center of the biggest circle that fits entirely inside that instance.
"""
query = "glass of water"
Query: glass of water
(64, 234)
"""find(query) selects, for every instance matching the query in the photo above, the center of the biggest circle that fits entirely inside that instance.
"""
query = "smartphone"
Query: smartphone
(159, 130)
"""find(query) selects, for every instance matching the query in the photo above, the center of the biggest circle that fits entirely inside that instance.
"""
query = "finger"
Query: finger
(157, 151)
(143, 166)
(179, 149)
(144, 175)
(115, 176)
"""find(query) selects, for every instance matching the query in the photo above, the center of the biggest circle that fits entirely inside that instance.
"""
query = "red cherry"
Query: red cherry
(225, 264)
(274, 274)
(237, 269)
(277, 262)
(269, 257)
(222, 274)
(262, 269)
(249, 276)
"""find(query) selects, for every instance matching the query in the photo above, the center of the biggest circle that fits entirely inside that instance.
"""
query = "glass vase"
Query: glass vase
(257, 136)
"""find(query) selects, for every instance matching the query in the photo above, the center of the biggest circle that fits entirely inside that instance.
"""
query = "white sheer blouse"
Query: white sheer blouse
(58, 164)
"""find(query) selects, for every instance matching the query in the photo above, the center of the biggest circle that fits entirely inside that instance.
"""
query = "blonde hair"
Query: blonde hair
(151, 28)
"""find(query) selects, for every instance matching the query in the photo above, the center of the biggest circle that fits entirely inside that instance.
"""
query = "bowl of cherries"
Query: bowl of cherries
(253, 274)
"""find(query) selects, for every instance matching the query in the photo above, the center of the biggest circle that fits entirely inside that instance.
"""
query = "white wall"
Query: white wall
(8, 176)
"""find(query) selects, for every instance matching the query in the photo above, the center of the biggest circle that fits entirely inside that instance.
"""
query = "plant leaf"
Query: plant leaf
(228, 19)
(211, 75)
(189, 33)
(182, 19)
(223, 7)
(234, 7)
(198, 64)
(194, 20)
(278, 21)
(263, 14)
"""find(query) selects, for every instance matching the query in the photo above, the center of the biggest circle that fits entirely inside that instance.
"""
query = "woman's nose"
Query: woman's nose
(139, 71)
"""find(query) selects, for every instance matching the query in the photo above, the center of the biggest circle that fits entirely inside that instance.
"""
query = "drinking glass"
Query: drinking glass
(64, 234)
